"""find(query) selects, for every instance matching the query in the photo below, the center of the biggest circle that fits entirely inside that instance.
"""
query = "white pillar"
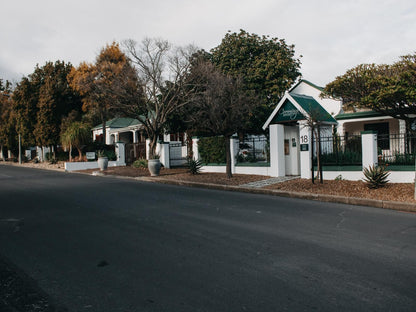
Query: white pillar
(369, 148)
(195, 150)
(305, 151)
(277, 150)
(135, 136)
(121, 153)
(162, 149)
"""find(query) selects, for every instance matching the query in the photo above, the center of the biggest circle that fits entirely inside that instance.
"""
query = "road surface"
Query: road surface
(107, 244)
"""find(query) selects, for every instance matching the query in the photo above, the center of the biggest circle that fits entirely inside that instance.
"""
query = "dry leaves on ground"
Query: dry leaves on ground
(392, 191)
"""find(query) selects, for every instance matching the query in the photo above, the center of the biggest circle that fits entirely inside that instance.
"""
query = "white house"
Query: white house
(289, 133)
(121, 129)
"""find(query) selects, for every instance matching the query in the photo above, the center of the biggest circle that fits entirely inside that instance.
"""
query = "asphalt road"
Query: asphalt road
(108, 244)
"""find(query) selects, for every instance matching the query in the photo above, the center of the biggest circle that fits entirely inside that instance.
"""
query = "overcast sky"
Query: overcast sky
(331, 35)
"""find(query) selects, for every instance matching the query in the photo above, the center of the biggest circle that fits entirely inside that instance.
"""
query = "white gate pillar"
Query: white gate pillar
(277, 150)
(121, 153)
(163, 149)
(195, 150)
(305, 148)
(369, 148)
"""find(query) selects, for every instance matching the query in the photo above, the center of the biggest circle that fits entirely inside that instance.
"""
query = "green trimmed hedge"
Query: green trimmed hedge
(212, 150)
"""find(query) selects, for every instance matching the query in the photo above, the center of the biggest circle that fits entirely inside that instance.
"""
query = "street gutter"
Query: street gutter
(393, 205)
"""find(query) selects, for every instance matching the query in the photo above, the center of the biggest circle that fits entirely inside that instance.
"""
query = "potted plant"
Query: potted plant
(154, 165)
(102, 160)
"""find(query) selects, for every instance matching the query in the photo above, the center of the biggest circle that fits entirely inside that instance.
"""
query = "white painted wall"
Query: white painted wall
(75, 166)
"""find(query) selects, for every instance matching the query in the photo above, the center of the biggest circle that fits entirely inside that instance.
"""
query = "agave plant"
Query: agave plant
(194, 166)
(376, 176)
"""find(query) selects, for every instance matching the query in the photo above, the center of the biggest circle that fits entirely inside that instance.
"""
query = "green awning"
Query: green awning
(288, 111)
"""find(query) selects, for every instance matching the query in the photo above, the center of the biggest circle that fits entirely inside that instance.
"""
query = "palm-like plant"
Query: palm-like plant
(376, 176)
(76, 134)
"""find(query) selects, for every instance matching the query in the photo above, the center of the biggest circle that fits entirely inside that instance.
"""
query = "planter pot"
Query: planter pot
(154, 167)
(103, 163)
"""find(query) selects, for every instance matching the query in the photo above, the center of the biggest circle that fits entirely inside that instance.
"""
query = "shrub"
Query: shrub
(194, 166)
(140, 163)
(376, 176)
(212, 150)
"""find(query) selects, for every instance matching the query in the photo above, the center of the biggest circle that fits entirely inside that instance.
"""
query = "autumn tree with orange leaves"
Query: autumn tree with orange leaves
(106, 84)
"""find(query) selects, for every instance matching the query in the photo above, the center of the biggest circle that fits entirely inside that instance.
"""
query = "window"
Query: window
(287, 148)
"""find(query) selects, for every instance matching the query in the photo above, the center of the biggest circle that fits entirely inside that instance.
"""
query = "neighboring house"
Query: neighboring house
(121, 129)
(130, 131)
(288, 127)
(289, 121)
(391, 131)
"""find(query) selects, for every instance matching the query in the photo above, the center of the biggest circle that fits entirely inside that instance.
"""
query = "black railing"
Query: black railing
(253, 149)
(339, 150)
(397, 149)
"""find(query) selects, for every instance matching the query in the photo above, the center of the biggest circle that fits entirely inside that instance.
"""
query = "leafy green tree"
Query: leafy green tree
(41, 100)
(268, 67)
(24, 101)
(388, 89)
(7, 122)
(75, 135)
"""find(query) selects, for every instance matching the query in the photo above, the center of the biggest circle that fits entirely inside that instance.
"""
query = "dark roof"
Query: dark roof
(313, 108)
(365, 114)
(120, 122)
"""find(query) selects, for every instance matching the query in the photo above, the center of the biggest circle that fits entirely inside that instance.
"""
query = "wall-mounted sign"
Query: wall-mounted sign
(288, 112)
(90, 155)
(304, 147)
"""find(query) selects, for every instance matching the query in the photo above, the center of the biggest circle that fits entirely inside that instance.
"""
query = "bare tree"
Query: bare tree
(221, 106)
(161, 71)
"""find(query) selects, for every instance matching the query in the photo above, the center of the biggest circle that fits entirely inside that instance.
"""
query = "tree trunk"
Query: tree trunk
(312, 144)
(70, 152)
(319, 156)
(79, 153)
(228, 157)
(152, 146)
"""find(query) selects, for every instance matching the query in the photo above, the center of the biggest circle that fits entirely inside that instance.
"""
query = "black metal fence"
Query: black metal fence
(253, 149)
(397, 149)
(339, 150)
(135, 151)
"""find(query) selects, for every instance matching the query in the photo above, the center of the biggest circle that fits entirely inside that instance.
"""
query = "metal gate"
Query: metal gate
(135, 151)
(177, 154)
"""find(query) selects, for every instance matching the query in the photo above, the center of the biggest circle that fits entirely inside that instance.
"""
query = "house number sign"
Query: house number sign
(304, 146)
(304, 139)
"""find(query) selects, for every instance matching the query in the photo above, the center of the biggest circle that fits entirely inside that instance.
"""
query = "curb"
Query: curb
(376, 203)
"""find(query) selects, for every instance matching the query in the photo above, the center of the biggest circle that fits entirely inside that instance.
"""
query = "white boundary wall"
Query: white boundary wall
(74, 166)
(275, 169)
